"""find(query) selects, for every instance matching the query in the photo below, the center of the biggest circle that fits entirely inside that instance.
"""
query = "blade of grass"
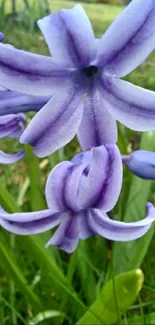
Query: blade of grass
(86, 274)
(23, 190)
(147, 319)
(13, 310)
(12, 284)
(10, 266)
(36, 195)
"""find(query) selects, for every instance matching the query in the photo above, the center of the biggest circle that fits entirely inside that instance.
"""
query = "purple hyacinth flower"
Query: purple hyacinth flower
(11, 126)
(12, 102)
(141, 163)
(83, 74)
(79, 195)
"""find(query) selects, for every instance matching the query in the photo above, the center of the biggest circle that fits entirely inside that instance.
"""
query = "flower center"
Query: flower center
(90, 71)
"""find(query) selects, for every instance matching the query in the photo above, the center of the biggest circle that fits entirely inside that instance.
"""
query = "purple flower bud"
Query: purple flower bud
(141, 163)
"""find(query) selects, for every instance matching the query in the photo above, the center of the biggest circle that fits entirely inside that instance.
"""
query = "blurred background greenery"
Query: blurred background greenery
(48, 286)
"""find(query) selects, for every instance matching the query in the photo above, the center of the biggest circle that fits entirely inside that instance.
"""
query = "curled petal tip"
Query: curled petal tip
(7, 159)
(22, 139)
(120, 231)
(11, 125)
(150, 208)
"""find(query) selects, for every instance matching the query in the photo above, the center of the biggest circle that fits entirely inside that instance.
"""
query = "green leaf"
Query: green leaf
(114, 299)
(13, 309)
(45, 261)
(36, 195)
(147, 319)
(79, 263)
(7, 201)
(86, 273)
(129, 255)
(12, 269)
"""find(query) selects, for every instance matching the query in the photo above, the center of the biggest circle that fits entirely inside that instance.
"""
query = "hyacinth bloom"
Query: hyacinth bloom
(11, 126)
(141, 163)
(84, 75)
(79, 194)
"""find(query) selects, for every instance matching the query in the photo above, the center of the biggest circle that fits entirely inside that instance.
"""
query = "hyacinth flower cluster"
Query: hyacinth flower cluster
(79, 194)
(78, 91)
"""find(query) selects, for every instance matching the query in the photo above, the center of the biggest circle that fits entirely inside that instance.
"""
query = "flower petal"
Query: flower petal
(57, 122)
(7, 159)
(129, 40)
(72, 187)
(141, 163)
(67, 235)
(120, 231)
(102, 186)
(131, 105)
(69, 36)
(27, 223)
(30, 73)
(11, 125)
(98, 126)
(12, 102)
(85, 230)
(20, 127)
(83, 157)
(55, 187)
